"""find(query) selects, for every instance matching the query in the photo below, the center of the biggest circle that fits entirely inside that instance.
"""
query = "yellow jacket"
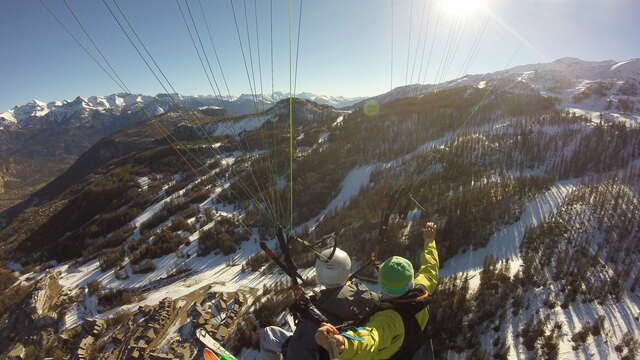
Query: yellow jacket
(384, 332)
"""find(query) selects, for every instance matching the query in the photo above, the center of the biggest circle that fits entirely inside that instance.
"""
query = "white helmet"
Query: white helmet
(336, 272)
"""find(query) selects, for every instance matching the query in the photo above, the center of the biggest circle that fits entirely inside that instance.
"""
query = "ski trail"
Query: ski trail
(505, 244)
(355, 180)
(359, 177)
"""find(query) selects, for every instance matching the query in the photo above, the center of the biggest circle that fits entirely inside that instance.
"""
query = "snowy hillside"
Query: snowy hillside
(609, 88)
(592, 88)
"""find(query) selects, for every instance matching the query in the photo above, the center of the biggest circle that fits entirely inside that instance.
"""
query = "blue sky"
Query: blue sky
(345, 49)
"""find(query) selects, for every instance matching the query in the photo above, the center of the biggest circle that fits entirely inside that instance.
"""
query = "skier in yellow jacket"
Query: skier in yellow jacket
(395, 332)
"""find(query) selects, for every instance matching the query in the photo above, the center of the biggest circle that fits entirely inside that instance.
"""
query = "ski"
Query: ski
(214, 346)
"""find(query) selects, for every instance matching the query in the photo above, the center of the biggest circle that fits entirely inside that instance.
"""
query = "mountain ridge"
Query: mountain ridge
(616, 94)
(37, 111)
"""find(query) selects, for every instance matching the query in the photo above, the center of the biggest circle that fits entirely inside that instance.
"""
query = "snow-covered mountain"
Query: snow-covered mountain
(608, 89)
(34, 108)
(41, 114)
(588, 87)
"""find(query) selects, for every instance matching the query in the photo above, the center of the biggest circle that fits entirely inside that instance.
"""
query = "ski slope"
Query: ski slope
(505, 244)
(235, 127)
(355, 181)
(360, 177)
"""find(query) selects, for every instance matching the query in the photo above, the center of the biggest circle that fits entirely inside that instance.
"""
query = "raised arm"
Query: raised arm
(427, 275)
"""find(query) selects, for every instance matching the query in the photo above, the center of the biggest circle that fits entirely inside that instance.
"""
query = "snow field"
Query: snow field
(235, 128)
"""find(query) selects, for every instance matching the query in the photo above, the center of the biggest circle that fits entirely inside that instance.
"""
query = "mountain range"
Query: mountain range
(50, 136)
(39, 114)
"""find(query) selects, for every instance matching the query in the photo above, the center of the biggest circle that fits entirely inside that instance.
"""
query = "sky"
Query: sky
(348, 47)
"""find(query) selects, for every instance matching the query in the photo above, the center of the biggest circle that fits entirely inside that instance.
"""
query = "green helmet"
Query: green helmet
(395, 276)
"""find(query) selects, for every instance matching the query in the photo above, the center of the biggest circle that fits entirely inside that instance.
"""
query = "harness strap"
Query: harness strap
(413, 334)
(407, 307)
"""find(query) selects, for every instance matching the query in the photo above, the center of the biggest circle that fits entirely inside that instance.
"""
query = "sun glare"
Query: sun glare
(462, 7)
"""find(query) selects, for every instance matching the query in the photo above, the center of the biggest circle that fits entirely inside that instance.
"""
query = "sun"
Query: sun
(462, 7)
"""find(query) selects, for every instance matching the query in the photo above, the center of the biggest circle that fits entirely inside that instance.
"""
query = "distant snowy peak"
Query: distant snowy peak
(38, 113)
(34, 108)
(115, 101)
(7, 117)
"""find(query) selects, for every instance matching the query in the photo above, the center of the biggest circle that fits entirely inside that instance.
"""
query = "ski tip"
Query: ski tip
(209, 355)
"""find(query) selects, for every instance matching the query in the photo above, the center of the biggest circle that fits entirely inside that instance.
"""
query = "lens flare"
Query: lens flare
(371, 108)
